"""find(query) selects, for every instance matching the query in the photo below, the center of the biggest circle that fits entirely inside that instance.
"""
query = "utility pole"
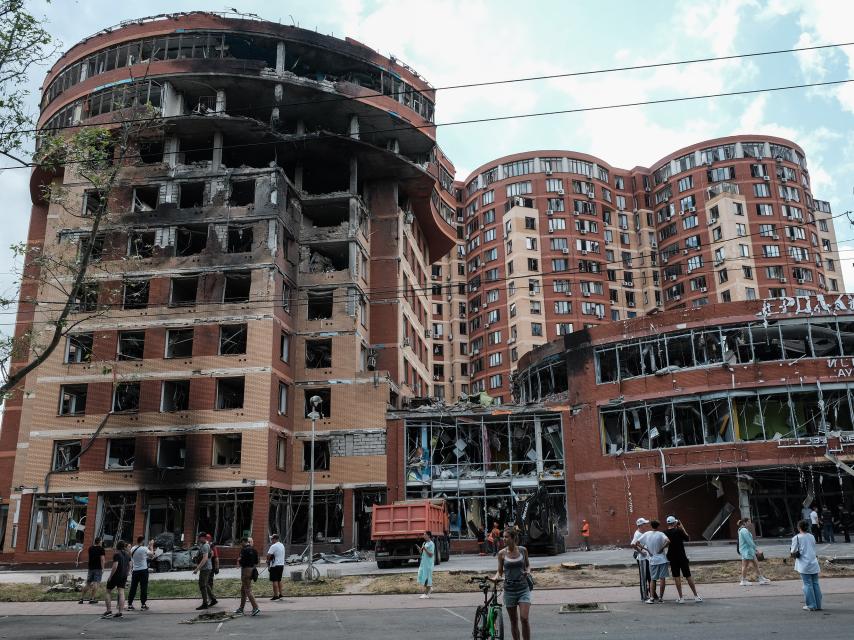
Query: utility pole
(315, 401)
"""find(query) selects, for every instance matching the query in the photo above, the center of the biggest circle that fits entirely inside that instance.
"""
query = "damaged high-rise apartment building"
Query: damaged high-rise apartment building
(286, 227)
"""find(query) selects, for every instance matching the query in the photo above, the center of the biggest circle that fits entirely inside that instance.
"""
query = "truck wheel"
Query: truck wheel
(384, 564)
(437, 554)
(447, 552)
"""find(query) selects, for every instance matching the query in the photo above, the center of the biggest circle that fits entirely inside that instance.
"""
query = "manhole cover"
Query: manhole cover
(584, 607)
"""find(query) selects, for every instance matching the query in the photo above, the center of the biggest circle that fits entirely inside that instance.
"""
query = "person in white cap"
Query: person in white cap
(679, 565)
(655, 543)
(642, 557)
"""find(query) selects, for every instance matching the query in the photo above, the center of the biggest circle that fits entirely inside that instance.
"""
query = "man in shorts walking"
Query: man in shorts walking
(655, 543)
(117, 580)
(679, 565)
(276, 565)
(95, 572)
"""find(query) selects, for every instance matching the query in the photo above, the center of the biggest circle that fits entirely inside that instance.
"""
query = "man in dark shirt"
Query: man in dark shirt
(95, 572)
(117, 580)
(248, 573)
(844, 519)
(679, 565)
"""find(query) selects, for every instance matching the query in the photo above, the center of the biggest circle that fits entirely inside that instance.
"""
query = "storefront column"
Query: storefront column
(260, 517)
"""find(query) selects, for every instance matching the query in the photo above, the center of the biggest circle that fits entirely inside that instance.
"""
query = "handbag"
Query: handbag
(760, 555)
(254, 574)
(530, 580)
(797, 552)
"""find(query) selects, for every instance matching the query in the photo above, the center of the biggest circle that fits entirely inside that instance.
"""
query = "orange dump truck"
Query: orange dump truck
(397, 531)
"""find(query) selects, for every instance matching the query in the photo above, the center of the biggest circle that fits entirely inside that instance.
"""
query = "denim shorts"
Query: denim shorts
(659, 571)
(94, 575)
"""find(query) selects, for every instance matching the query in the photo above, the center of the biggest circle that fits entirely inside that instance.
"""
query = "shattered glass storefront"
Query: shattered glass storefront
(485, 466)
(115, 517)
(59, 521)
(288, 515)
(226, 514)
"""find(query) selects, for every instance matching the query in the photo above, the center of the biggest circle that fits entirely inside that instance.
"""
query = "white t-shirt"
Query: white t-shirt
(139, 558)
(655, 542)
(642, 553)
(277, 550)
(813, 517)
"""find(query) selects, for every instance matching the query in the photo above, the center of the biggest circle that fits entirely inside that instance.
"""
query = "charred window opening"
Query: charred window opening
(171, 452)
(72, 399)
(321, 455)
(197, 150)
(55, 520)
(151, 151)
(235, 153)
(226, 450)
(191, 239)
(330, 176)
(237, 286)
(165, 521)
(86, 299)
(78, 348)
(328, 517)
(328, 215)
(121, 453)
(226, 514)
(325, 408)
(320, 304)
(229, 393)
(179, 343)
(141, 244)
(232, 339)
(145, 198)
(131, 345)
(94, 202)
(97, 251)
(239, 238)
(176, 396)
(192, 195)
(242, 193)
(318, 354)
(135, 294)
(183, 291)
(66, 455)
(126, 397)
(326, 258)
(116, 517)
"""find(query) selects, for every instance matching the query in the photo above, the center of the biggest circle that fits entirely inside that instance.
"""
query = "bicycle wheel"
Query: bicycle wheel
(312, 574)
(498, 624)
(479, 631)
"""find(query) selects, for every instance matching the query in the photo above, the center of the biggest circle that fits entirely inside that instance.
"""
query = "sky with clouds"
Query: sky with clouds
(450, 43)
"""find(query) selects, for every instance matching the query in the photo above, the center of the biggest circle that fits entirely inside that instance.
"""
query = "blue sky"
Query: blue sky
(451, 43)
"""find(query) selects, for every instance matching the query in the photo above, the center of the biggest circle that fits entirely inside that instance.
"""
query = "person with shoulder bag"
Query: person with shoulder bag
(515, 567)
(806, 564)
(248, 562)
(746, 547)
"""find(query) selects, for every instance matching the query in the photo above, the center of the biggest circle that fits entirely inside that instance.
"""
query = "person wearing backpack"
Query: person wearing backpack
(139, 556)
(806, 564)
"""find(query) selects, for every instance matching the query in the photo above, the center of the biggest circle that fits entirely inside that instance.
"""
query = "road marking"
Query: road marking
(454, 613)
(219, 627)
(337, 619)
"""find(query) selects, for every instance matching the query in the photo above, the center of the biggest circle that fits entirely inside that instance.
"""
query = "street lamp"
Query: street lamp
(310, 572)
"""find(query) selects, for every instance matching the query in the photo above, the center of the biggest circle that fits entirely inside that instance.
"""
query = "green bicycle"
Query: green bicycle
(489, 618)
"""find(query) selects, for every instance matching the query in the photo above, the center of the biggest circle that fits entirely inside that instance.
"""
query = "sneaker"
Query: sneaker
(213, 602)
(805, 608)
(203, 606)
(745, 583)
(650, 601)
(93, 602)
(80, 601)
(680, 600)
(131, 607)
(275, 598)
(423, 596)
(107, 614)
(238, 612)
(144, 607)
(697, 599)
(255, 612)
(118, 615)
(764, 580)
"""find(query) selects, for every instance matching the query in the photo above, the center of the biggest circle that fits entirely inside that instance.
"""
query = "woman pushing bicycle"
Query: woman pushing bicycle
(515, 568)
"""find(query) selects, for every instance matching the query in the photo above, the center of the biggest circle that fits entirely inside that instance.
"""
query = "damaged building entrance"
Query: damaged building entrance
(364, 501)
(485, 466)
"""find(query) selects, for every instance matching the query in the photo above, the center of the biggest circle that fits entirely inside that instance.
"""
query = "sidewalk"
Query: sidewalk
(551, 597)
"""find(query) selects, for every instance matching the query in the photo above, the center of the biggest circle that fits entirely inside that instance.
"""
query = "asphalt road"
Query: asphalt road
(717, 619)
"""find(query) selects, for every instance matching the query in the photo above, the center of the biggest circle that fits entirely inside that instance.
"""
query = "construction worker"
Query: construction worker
(585, 534)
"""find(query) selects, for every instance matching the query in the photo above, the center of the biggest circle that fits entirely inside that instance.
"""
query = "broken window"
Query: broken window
(237, 286)
(281, 452)
(226, 514)
(126, 397)
(197, 151)
(78, 348)
(131, 345)
(718, 421)
(689, 420)
(179, 343)
(171, 452)
(232, 339)
(242, 193)
(87, 297)
(327, 258)
(285, 346)
(72, 399)
(141, 244)
(192, 195)
(283, 399)
(145, 198)
(767, 343)
(165, 516)
(116, 517)
(94, 201)
(321, 455)
(328, 517)
(176, 396)
(318, 354)
(57, 520)
(151, 152)
(97, 247)
(66, 455)
(846, 337)
(239, 238)
(613, 432)
(325, 408)
(183, 291)
(121, 453)
(191, 239)
(135, 294)
(824, 337)
(229, 393)
(226, 450)
(320, 304)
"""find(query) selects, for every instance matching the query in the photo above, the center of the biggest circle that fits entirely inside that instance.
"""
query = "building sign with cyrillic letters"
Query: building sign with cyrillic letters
(844, 367)
(844, 440)
(807, 305)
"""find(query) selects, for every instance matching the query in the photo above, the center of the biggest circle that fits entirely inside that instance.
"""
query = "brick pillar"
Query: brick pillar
(139, 516)
(190, 510)
(91, 519)
(260, 517)
(24, 522)
(348, 535)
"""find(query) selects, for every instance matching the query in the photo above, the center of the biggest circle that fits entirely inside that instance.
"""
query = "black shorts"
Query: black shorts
(117, 581)
(276, 574)
(680, 567)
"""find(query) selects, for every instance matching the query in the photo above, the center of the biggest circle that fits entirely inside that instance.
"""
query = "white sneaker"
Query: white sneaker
(764, 580)
(680, 600)
(423, 596)
(745, 583)
(697, 599)
(650, 601)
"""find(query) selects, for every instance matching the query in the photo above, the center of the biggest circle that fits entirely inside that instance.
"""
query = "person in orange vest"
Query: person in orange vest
(585, 534)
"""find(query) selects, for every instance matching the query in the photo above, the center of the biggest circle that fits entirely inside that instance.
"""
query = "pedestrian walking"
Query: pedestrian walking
(585, 534)
(642, 558)
(425, 566)
(117, 580)
(746, 547)
(677, 557)
(204, 566)
(276, 565)
(806, 563)
(214, 561)
(827, 524)
(94, 572)
(515, 567)
(845, 522)
(656, 543)
(815, 523)
(139, 556)
(248, 563)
